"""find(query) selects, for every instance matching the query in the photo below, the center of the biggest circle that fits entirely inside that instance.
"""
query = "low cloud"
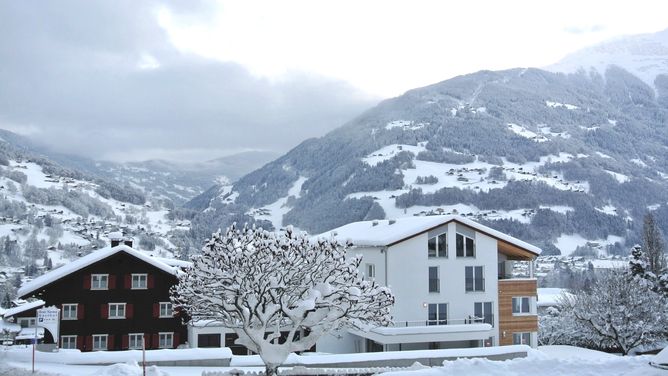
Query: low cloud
(101, 78)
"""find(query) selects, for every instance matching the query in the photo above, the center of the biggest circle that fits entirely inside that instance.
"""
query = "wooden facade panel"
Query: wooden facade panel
(509, 324)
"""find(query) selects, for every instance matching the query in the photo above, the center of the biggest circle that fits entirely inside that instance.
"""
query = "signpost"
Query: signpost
(49, 319)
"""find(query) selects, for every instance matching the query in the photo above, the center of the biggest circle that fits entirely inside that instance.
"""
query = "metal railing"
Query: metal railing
(488, 319)
(475, 284)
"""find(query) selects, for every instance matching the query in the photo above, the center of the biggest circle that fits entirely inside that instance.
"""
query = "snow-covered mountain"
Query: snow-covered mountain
(562, 161)
(646, 56)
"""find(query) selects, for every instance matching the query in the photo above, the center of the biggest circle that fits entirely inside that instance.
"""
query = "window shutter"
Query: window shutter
(80, 311)
(156, 341)
(129, 310)
(175, 342)
(86, 281)
(156, 310)
(89, 343)
(128, 281)
(110, 342)
(80, 342)
(147, 340)
(104, 311)
(125, 342)
(112, 281)
(150, 283)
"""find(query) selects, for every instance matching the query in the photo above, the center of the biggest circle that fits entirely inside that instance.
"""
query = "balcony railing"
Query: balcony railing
(475, 284)
(487, 319)
(515, 269)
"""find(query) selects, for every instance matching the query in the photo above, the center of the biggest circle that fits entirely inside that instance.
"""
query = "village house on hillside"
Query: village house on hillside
(110, 299)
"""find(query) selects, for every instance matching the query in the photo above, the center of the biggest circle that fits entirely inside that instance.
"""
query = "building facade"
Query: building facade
(112, 299)
(456, 282)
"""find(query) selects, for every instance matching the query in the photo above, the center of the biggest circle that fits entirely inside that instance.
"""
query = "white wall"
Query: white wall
(407, 276)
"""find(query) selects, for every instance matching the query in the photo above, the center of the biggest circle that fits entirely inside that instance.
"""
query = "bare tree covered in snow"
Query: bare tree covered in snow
(260, 284)
(617, 312)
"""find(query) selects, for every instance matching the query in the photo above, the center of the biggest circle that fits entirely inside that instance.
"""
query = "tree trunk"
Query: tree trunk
(271, 370)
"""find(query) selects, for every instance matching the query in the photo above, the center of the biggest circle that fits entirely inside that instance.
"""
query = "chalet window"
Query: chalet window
(139, 281)
(522, 338)
(99, 342)
(99, 281)
(116, 310)
(437, 246)
(27, 322)
(70, 311)
(68, 342)
(135, 341)
(166, 340)
(166, 310)
(475, 280)
(522, 305)
(370, 270)
(434, 282)
(465, 246)
(438, 314)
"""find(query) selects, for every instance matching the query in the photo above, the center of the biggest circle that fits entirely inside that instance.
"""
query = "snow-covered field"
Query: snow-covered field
(548, 360)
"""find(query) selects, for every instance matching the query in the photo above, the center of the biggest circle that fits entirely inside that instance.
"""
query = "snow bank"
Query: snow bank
(24, 354)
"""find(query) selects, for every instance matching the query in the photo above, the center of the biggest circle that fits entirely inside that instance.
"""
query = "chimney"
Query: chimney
(117, 239)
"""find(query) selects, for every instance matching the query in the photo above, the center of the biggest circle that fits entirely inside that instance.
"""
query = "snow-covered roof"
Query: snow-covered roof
(378, 233)
(23, 307)
(87, 260)
(117, 235)
(29, 333)
(10, 327)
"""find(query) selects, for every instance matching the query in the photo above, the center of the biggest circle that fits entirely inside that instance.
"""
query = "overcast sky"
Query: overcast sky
(131, 80)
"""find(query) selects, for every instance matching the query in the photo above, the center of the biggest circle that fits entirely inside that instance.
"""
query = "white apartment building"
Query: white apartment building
(452, 281)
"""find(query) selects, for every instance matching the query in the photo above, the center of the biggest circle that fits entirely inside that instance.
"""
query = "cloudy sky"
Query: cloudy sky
(186, 80)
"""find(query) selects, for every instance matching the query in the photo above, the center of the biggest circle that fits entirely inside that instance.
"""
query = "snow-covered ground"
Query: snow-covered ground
(548, 360)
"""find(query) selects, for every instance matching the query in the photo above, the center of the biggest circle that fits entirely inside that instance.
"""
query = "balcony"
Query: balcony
(516, 269)
(418, 331)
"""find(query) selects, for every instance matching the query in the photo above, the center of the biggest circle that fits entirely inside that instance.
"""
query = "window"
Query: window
(99, 342)
(135, 341)
(483, 312)
(99, 282)
(139, 281)
(68, 342)
(166, 309)
(522, 339)
(69, 311)
(522, 305)
(433, 279)
(116, 310)
(438, 314)
(166, 340)
(27, 322)
(465, 246)
(474, 278)
(370, 271)
(437, 246)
